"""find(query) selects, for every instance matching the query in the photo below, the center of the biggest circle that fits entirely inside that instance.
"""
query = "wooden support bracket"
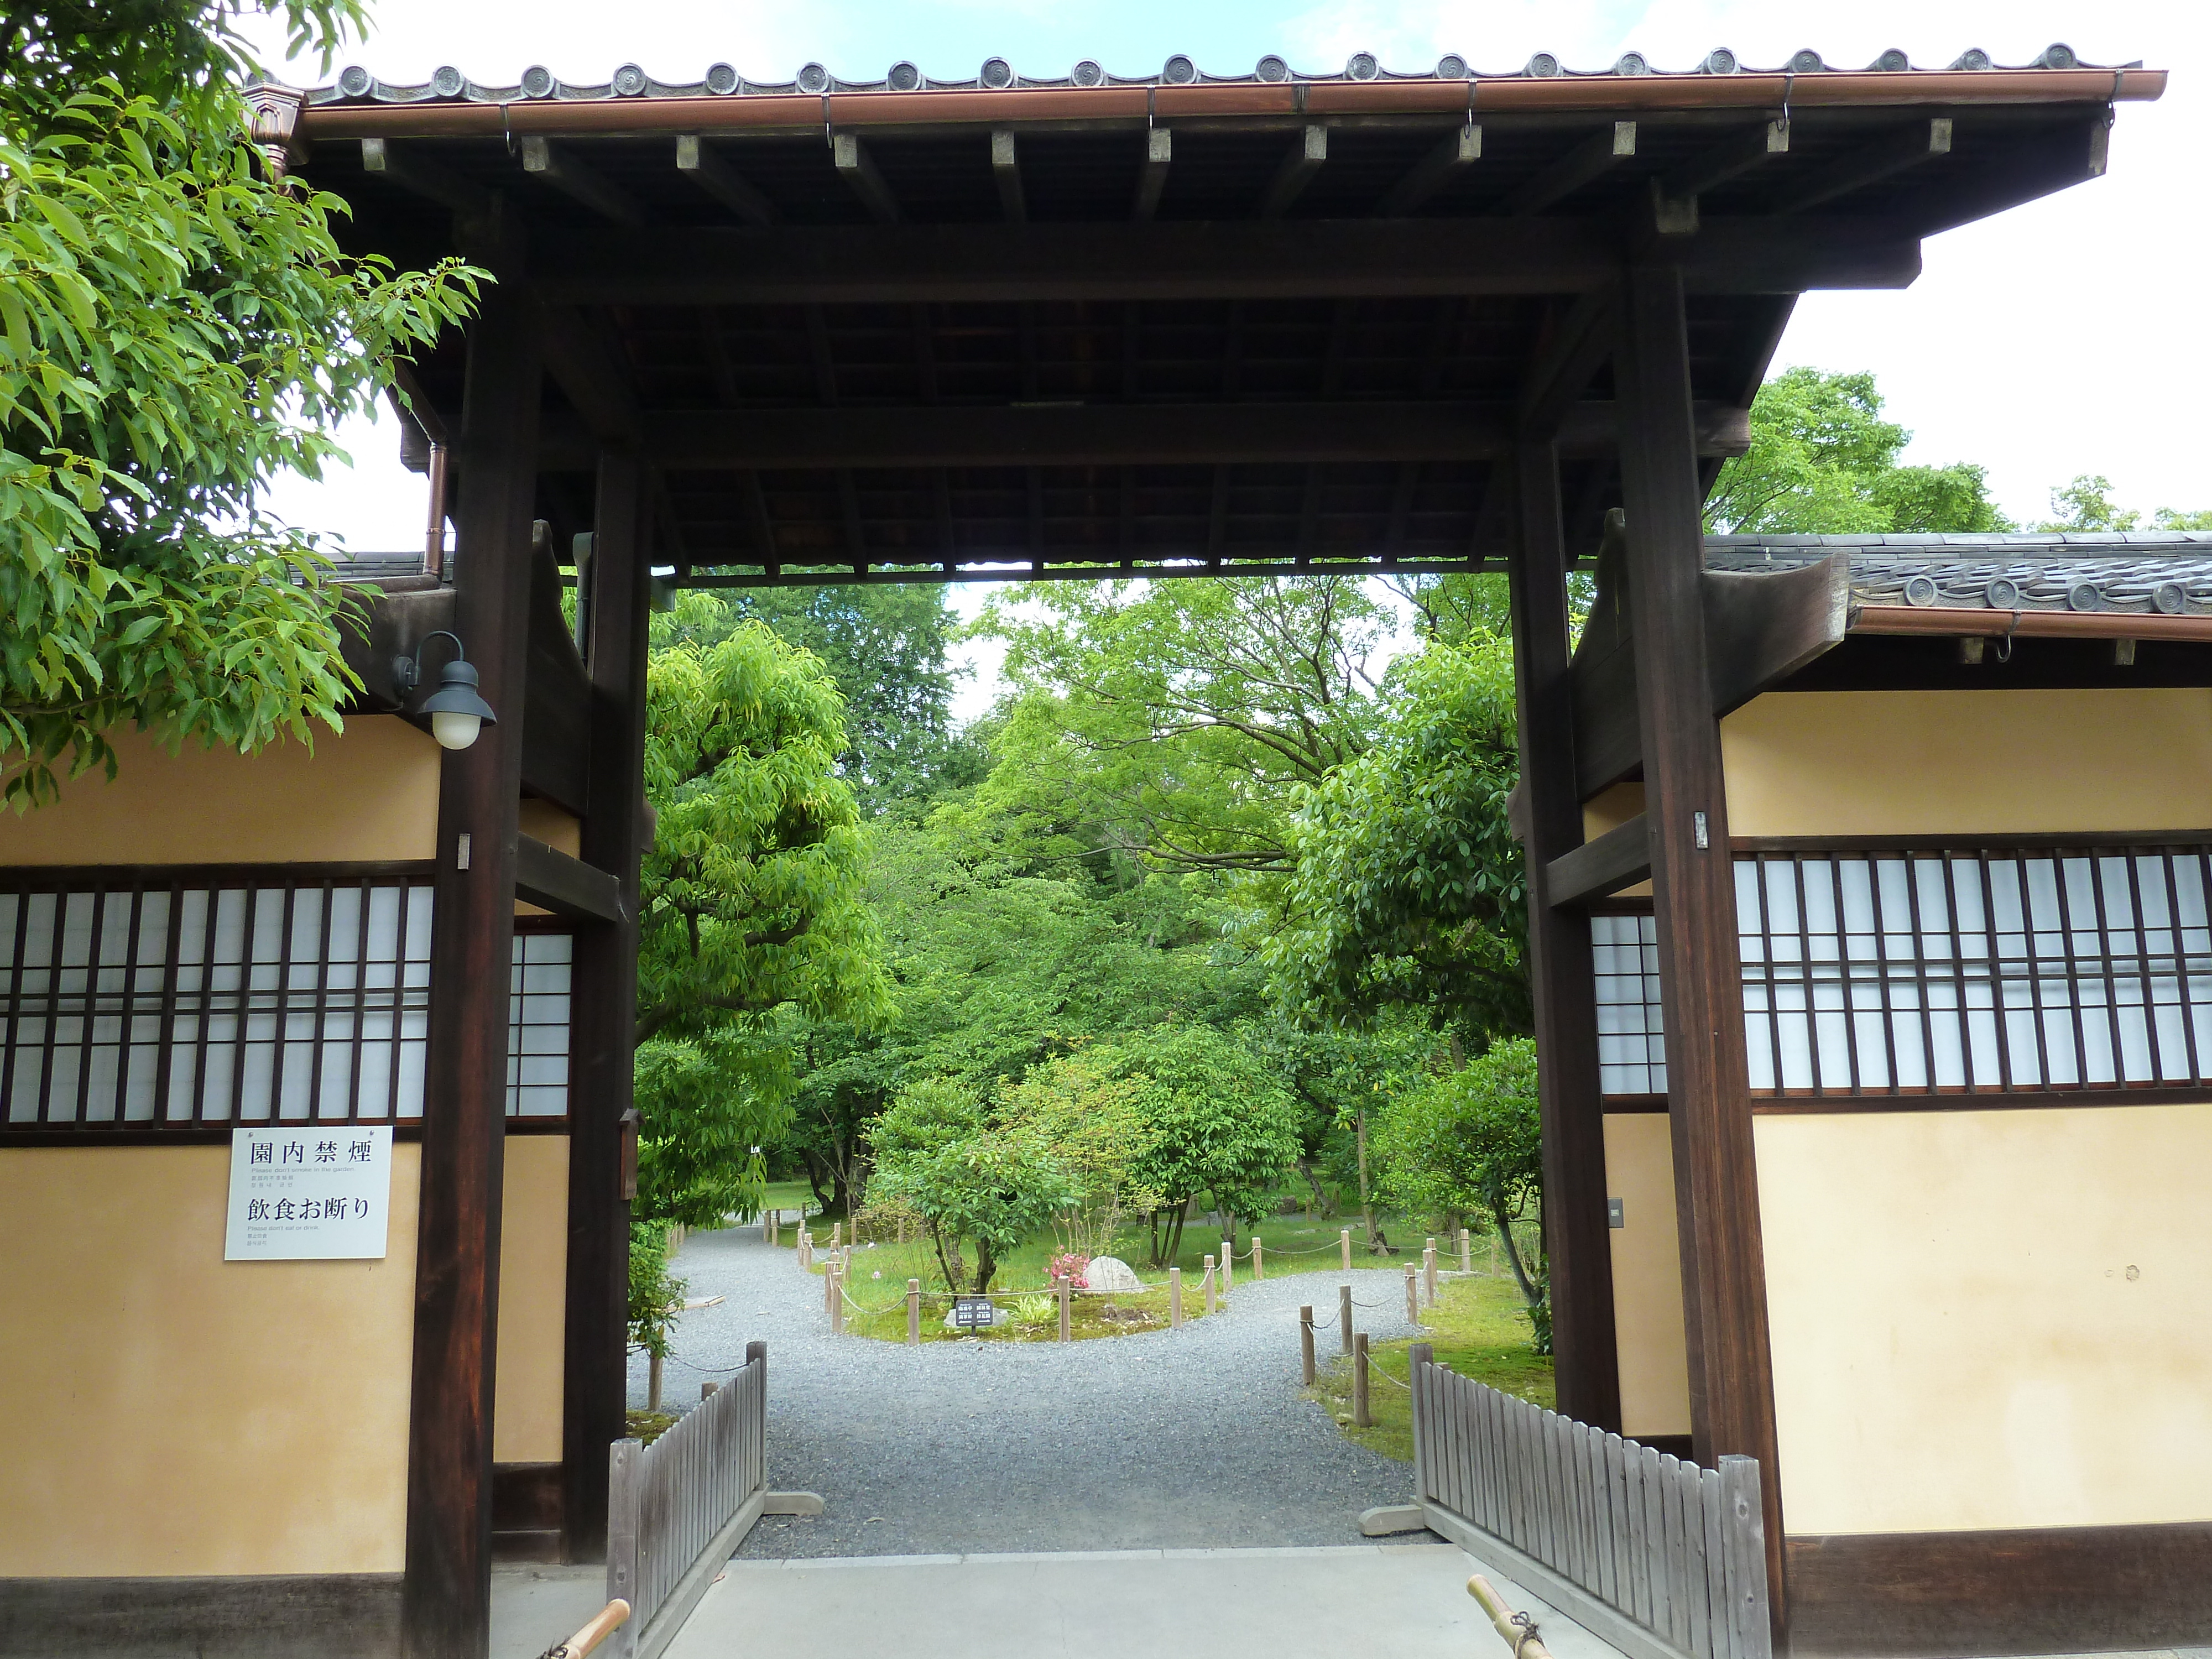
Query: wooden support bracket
(546, 876)
(1598, 869)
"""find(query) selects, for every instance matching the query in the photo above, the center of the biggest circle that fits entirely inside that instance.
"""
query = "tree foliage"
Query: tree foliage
(750, 907)
(973, 1181)
(176, 330)
(1469, 1143)
(1823, 461)
(1408, 889)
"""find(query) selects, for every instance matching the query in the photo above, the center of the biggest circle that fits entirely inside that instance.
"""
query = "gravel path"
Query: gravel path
(1170, 1439)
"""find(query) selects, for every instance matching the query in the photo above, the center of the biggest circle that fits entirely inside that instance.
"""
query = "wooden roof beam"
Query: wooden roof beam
(1559, 376)
(1369, 258)
(715, 176)
(807, 439)
(1598, 869)
(405, 165)
(1923, 140)
(1432, 172)
(546, 876)
(1006, 168)
(1729, 159)
(1159, 150)
(1299, 164)
(581, 364)
(858, 169)
(579, 182)
(1585, 162)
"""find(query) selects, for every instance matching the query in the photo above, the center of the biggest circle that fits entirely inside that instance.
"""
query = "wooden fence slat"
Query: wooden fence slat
(1601, 1515)
(1638, 1604)
(1469, 1480)
(1670, 1509)
(1745, 1525)
(1493, 1465)
(1697, 1589)
(1570, 1507)
(1709, 1494)
(1586, 1441)
(1524, 1476)
(1661, 1618)
(1623, 1598)
(1443, 1462)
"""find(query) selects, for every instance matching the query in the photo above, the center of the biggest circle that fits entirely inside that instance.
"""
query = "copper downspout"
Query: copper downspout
(2047, 624)
(1595, 94)
(434, 532)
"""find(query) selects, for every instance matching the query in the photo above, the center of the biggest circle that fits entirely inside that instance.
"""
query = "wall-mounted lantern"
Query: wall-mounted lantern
(456, 712)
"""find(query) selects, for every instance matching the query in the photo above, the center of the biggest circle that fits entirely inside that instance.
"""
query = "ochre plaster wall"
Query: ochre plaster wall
(369, 793)
(533, 1300)
(1647, 1276)
(1938, 763)
(1991, 1318)
(165, 1412)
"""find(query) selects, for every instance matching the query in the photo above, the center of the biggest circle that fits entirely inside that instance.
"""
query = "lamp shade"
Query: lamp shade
(456, 711)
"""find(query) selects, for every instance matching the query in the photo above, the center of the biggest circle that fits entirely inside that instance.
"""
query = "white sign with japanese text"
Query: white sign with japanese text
(309, 1195)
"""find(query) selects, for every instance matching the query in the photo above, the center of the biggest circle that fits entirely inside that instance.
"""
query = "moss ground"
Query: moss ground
(1479, 1327)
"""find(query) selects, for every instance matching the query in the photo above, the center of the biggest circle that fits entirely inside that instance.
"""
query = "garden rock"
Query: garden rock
(1110, 1273)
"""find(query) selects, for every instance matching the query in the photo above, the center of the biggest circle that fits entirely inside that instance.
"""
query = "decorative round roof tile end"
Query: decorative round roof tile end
(1630, 63)
(2085, 596)
(1451, 66)
(1719, 61)
(2169, 599)
(996, 74)
(2003, 594)
(1362, 66)
(903, 77)
(1271, 69)
(1972, 58)
(1087, 73)
(538, 81)
(1543, 66)
(1919, 590)
(629, 81)
(721, 79)
(2058, 55)
(812, 78)
(1807, 63)
(447, 82)
(355, 81)
(1178, 71)
(1893, 62)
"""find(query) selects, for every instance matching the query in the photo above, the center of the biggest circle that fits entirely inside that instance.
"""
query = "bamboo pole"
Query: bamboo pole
(1517, 1628)
(914, 1313)
(1175, 1299)
(1344, 1314)
(1361, 1417)
(1305, 1347)
(604, 1624)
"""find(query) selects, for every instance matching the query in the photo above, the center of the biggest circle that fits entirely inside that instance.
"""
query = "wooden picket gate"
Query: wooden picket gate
(676, 1509)
(1661, 1557)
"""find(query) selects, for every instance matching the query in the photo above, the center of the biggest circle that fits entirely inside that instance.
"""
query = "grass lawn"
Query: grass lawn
(1479, 1327)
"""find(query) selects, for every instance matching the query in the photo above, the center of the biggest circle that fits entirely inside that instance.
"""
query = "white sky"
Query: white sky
(2069, 335)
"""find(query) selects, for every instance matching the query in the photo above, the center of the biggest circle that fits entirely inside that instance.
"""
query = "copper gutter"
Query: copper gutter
(1593, 94)
(2046, 624)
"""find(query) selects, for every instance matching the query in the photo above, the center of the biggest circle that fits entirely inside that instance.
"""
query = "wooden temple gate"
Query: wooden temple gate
(1092, 329)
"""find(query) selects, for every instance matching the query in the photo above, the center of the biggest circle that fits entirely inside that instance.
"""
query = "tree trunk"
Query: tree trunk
(1324, 1207)
(1366, 1199)
(1503, 1222)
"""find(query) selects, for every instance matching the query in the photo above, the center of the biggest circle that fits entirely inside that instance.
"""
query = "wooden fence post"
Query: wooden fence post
(1175, 1299)
(1466, 1252)
(1344, 1314)
(621, 1539)
(1066, 1294)
(835, 1280)
(901, 1228)
(707, 1390)
(1206, 1284)
(1743, 1530)
(914, 1313)
(1418, 1358)
(829, 1283)
(1259, 1261)
(1413, 1296)
(1361, 1418)
(1343, 1242)
(1228, 1266)
(1429, 1270)
(1305, 1347)
(836, 1237)
(806, 1249)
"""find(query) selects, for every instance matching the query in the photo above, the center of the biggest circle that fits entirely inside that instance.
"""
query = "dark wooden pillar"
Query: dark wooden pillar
(604, 1010)
(446, 1602)
(1561, 981)
(1693, 894)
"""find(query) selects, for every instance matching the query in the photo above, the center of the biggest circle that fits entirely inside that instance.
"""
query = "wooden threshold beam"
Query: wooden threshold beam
(1598, 869)
(548, 877)
(1103, 435)
(1259, 258)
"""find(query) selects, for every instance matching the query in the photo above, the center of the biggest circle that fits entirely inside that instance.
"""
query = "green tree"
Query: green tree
(1408, 889)
(750, 906)
(2086, 507)
(1469, 1143)
(970, 1181)
(1093, 1123)
(1173, 721)
(176, 329)
(1823, 461)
